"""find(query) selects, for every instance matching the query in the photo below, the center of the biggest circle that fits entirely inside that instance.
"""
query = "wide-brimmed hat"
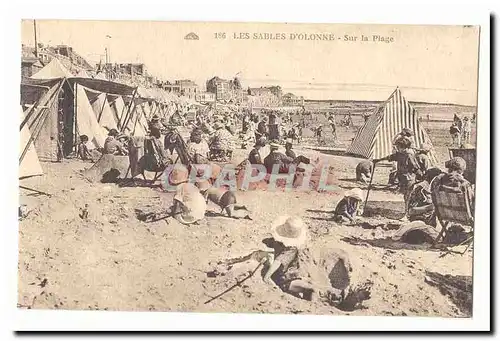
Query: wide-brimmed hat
(274, 145)
(290, 231)
(355, 193)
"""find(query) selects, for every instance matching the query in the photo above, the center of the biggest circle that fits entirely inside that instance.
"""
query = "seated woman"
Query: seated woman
(222, 143)
(420, 206)
(197, 147)
(112, 145)
(348, 207)
(453, 180)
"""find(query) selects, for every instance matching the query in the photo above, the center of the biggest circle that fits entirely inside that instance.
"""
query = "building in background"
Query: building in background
(292, 100)
(266, 96)
(30, 64)
(187, 88)
(205, 97)
(220, 87)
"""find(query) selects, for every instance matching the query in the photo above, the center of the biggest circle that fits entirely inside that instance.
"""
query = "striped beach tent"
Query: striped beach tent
(374, 139)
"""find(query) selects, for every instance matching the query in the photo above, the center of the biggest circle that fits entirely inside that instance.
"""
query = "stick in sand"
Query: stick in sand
(368, 190)
(238, 283)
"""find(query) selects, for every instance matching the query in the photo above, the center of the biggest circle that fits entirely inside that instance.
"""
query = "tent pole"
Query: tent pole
(33, 137)
(37, 103)
(120, 127)
(75, 96)
(45, 113)
(128, 116)
(102, 108)
(368, 190)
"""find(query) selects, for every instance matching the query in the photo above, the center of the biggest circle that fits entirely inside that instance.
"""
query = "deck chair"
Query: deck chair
(153, 161)
(454, 206)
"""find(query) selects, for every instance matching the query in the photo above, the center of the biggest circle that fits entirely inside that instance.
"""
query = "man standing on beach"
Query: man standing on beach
(455, 134)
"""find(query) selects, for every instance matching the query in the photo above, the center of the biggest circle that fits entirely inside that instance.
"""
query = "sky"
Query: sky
(428, 63)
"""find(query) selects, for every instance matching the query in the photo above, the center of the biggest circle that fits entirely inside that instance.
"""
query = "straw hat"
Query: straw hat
(355, 193)
(291, 231)
(274, 146)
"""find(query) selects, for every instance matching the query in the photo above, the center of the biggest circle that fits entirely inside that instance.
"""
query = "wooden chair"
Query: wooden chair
(454, 206)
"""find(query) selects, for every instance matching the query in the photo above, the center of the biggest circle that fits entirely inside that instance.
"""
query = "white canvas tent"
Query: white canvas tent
(29, 164)
(54, 69)
(87, 121)
(374, 139)
(103, 112)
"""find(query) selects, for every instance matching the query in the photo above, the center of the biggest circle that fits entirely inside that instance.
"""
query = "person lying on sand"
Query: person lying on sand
(348, 207)
(289, 236)
(224, 198)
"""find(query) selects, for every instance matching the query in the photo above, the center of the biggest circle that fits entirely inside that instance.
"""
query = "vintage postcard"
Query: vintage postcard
(314, 169)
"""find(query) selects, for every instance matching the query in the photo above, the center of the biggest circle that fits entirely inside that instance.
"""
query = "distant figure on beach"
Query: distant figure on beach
(455, 134)
(466, 130)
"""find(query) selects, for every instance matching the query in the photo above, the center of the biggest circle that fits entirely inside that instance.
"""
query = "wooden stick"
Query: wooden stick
(238, 283)
(34, 190)
(369, 187)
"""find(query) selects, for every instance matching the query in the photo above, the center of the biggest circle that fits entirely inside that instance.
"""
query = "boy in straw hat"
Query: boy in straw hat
(289, 236)
(348, 207)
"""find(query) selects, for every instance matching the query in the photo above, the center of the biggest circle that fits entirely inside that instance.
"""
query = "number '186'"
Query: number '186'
(220, 35)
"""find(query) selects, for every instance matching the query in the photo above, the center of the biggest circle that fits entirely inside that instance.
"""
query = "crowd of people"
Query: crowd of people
(213, 138)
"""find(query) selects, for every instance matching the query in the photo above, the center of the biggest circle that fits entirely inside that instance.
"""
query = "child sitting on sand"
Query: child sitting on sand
(347, 209)
(289, 236)
(82, 150)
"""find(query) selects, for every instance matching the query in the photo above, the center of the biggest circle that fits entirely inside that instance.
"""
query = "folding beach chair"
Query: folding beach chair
(152, 161)
(454, 206)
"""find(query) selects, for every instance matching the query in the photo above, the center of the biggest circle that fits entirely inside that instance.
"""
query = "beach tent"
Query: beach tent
(54, 69)
(86, 120)
(103, 112)
(374, 139)
(29, 164)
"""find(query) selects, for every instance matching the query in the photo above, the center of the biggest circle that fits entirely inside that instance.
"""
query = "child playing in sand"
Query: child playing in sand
(347, 209)
(289, 236)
